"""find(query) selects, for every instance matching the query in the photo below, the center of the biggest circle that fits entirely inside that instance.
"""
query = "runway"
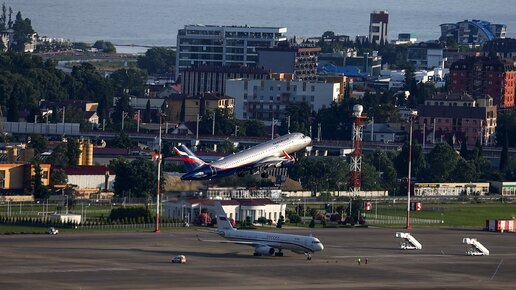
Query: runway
(142, 261)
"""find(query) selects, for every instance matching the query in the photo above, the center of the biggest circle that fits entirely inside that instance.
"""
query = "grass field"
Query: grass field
(453, 214)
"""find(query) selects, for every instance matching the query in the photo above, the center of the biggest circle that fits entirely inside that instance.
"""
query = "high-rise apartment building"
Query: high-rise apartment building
(472, 32)
(301, 62)
(378, 27)
(202, 79)
(223, 45)
(483, 75)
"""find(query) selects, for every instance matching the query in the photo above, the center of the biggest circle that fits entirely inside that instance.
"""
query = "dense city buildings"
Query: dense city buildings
(301, 62)
(202, 79)
(378, 24)
(223, 45)
(425, 55)
(502, 48)
(459, 116)
(472, 32)
(405, 38)
(484, 75)
(268, 99)
(199, 105)
(350, 64)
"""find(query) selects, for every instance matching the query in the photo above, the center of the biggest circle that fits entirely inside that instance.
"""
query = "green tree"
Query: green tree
(441, 162)
(129, 81)
(294, 219)
(40, 190)
(135, 179)
(39, 143)
(465, 171)
(73, 151)
(226, 146)
(321, 174)
(262, 220)
(254, 128)
(58, 176)
(300, 119)
(158, 60)
(147, 113)
(59, 156)
(104, 46)
(418, 161)
(123, 141)
(22, 32)
(281, 222)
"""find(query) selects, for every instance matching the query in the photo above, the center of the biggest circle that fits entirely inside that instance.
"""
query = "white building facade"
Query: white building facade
(223, 45)
(236, 209)
(267, 99)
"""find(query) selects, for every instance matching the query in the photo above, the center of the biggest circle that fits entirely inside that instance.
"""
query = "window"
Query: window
(2, 178)
(44, 174)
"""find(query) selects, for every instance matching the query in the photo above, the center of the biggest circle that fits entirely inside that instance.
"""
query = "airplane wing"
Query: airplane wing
(273, 161)
(253, 244)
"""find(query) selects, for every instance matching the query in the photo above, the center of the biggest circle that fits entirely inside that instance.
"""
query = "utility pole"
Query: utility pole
(124, 114)
(197, 130)
(64, 114)
(288, 124)
(236, 131)
(319, 132)
(213, 125)
(156, 230)
(138, 122)
(433, 137)
(372, 128)
(272, 128)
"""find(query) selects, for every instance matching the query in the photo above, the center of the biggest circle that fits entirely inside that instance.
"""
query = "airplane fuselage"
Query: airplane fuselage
(296, 243)
(268, 154)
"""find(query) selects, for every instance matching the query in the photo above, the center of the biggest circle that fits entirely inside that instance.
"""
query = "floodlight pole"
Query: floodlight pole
(411, 120)
(157, 230)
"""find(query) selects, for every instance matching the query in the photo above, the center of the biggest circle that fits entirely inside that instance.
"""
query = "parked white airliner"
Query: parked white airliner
(273, 153)
(265, 243)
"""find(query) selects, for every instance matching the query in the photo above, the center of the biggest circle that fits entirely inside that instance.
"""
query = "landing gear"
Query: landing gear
(308, 256)
(279, 253)
(256, 254)
(265, 174)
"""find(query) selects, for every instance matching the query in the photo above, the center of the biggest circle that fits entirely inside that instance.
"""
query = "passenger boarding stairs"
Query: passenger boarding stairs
(409, 242)
(476, 248)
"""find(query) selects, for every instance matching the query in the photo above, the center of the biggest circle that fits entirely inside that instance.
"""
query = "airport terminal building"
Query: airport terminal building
(237, 209)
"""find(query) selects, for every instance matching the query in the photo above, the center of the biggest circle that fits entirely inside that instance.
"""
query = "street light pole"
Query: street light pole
(197, 130)
(156, 230)
(213, 125)
(412, 116)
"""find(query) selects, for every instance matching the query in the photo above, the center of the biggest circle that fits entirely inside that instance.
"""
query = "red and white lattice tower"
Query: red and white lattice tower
(356, 156)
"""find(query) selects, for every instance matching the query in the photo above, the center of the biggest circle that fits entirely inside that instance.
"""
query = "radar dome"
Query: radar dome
(357, 110)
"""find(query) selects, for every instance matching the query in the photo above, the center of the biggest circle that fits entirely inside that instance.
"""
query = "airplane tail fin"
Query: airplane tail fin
(189, 159)
(223, 223)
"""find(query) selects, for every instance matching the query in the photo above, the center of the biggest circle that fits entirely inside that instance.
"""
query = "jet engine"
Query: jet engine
(264, 250)
(288, 163)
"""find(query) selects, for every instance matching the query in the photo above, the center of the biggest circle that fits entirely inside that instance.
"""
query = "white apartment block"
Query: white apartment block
(223, 45)
(267, 99)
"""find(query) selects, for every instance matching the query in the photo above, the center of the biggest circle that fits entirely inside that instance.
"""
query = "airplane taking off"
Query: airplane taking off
(273, 153)
(264, 243)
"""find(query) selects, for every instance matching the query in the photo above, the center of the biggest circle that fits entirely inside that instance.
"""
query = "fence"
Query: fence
(129, 226)
(373, 219)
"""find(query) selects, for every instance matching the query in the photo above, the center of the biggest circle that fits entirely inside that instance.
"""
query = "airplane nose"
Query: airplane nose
(321, 247)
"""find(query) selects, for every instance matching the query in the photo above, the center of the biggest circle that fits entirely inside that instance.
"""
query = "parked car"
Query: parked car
(180, 259)
(53, 231)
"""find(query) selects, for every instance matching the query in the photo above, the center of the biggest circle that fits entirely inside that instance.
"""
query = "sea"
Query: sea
(156, 22)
